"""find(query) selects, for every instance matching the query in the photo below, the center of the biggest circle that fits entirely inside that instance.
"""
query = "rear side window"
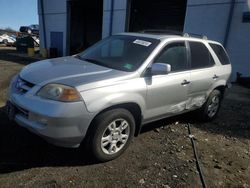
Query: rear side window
(221, 54)
(200, 56)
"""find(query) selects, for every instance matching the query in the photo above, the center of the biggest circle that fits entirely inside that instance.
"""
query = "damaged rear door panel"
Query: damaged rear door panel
(203, 74)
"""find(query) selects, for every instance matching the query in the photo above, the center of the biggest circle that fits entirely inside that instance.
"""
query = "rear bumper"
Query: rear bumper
(229, 85)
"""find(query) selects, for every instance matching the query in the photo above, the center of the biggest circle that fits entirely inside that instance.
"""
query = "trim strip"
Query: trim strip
(211, 4)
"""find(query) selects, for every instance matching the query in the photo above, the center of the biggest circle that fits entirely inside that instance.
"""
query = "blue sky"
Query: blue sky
(15, 13)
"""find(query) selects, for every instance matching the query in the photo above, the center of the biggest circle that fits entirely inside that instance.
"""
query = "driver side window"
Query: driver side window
(174, 54)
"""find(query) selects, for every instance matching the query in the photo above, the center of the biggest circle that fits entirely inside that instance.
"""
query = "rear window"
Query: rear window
(200, 56)
(221, 54)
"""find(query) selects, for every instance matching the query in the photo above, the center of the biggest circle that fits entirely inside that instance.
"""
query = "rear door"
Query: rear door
(202, 75)
(223, 71)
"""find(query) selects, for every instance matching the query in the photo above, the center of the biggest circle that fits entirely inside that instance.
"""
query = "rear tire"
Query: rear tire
(111, 134)
(210, 109)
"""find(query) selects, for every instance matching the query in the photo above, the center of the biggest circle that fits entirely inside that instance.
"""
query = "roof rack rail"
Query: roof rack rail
(195, 35)
(162, 31)
(173, 32)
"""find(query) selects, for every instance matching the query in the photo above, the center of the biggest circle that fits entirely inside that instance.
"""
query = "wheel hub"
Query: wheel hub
(115, 136)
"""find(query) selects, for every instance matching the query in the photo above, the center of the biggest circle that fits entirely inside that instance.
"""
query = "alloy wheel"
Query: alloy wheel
(115, 136)
(213, 106)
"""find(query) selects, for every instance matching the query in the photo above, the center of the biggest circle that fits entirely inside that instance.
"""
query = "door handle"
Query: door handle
(215, 77)
(185, 82)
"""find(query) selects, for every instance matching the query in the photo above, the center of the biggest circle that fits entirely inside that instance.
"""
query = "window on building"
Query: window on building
(221, 54)
(200, 56)
(246, 17)
(174, 54)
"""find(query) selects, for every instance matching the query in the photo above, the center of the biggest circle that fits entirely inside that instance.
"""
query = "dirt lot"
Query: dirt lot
(162, 155)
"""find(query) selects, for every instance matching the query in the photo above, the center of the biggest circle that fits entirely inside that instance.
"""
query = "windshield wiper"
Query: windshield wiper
(94, 61)
(77, 56)
(90, 60)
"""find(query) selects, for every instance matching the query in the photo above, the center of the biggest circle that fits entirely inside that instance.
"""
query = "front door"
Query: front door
(167, 94)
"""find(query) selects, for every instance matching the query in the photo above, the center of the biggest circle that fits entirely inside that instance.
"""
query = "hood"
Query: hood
(67, 70)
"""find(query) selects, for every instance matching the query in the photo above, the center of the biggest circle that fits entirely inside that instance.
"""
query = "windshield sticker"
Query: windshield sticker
(142, 42)
(128, 66)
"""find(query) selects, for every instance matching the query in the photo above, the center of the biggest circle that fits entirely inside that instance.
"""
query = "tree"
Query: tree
(9, 29)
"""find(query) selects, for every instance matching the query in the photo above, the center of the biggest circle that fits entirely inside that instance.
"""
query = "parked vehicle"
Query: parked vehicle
(7, 40)
(31, 29)
(104, 95)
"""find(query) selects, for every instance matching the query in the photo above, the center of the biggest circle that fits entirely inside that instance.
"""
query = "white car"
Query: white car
(104, 95)
(7, 40)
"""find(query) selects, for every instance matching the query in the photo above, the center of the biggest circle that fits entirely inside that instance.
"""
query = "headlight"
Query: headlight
(59, 92)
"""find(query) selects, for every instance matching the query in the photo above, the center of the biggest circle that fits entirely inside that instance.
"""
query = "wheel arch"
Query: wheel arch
(222, 89)
(132, 107)
(221, 86)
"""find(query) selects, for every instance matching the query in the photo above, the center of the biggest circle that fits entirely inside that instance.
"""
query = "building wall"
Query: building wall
(119, 17)
(239, 42)
(56, 19)
(55, 13)
(209, 17)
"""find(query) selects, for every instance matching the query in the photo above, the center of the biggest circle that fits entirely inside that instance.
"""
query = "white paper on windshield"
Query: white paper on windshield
(142, 42)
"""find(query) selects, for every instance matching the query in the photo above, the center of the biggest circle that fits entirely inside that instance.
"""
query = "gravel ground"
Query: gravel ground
(162, 155)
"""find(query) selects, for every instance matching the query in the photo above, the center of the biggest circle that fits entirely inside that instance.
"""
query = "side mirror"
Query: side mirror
(160, 69)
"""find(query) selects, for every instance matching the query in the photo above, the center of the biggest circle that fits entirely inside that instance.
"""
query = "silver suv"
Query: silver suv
(104, 95)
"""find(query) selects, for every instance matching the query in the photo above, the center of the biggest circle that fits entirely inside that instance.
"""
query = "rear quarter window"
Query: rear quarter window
(221, 54)
(200, 56)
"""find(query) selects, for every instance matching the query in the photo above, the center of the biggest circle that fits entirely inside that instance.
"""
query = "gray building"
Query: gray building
(73, 25)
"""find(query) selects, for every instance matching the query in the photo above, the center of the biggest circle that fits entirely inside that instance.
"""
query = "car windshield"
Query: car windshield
(120, 52)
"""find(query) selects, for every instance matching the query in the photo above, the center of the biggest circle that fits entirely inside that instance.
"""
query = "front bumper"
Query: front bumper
(62, 124)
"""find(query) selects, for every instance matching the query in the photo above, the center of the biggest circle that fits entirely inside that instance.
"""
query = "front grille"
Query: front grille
(23, 86)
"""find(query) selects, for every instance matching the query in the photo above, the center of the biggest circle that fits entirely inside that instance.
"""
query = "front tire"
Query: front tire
(210, 109)
(112, 133)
